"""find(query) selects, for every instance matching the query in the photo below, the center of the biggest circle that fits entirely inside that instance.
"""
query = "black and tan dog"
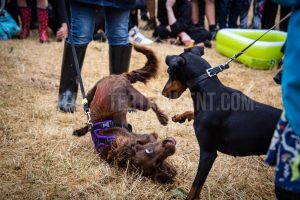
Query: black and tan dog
(226, 120)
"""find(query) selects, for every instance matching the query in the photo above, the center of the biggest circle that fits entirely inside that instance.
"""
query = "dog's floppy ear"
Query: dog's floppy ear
(174, 62)
(125, 153)
(165, 173)
(197, 50)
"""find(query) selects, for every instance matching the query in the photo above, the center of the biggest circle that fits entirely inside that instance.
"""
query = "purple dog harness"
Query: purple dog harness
(103, 141)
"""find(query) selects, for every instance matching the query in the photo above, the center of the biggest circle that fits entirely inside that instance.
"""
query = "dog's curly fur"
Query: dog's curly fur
(110, 99)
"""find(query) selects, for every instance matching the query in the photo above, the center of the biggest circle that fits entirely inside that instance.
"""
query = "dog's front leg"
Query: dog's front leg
(205, 163)
(189, 115)
(208, 154)
(161, 116)
(139, 101)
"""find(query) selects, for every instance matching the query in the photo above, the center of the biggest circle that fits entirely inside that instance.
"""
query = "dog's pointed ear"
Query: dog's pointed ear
(197, 50)
(174, 62)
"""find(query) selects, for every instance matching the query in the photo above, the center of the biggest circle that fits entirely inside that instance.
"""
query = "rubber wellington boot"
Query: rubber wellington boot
(42, 15)
(25, 14)
(119, 58)
(69, 80)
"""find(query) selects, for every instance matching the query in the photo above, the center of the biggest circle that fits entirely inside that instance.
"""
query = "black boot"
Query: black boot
(68, 80)
(119, 58)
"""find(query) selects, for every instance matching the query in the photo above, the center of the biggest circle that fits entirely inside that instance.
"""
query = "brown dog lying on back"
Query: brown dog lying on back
(109, 101)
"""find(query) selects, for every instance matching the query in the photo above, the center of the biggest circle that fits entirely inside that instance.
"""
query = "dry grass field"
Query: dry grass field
(40, 159)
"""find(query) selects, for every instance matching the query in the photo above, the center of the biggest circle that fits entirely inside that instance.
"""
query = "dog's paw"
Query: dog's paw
(163, 119)
(178, 118)
(77, 133)
(80, 132)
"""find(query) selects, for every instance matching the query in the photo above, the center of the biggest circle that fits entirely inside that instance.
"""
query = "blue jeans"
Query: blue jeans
(82, 24)
(244, 13)
(257, 14)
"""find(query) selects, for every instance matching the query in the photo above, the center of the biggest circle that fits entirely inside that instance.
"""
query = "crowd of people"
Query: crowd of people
(181, 20)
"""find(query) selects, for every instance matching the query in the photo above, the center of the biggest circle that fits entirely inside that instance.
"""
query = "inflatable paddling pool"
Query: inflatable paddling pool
(264, 54)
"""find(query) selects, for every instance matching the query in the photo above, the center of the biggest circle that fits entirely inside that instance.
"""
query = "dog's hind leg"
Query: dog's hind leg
(82, 131)
(189, 115)
(138, 101)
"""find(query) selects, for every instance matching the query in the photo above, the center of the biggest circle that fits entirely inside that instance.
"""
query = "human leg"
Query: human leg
(25, 14)
(116, 26)
(195, 11)
(133, 19)
(201, 11)
(151, 23)
(235, 11)
(284, 10)
(42, 14)
(269, 14)
(258, 13)
(82, 22)
(222, 13)
(244, 13)
(211, 17)
(68, 81)
(143, 14)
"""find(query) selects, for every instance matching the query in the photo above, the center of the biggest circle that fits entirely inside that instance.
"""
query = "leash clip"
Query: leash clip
(89, 120)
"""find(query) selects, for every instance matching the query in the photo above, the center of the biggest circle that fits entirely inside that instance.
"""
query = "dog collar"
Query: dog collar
(100, 126)
(104, 141)
(210, 72)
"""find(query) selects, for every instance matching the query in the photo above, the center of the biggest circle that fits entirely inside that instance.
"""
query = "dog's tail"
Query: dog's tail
(148, 71)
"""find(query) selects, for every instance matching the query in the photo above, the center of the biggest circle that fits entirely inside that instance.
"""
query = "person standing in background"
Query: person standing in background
(58, 19)
(284, 151)
(270, 9)
(42, 14)
(201, 8)
(82, 23)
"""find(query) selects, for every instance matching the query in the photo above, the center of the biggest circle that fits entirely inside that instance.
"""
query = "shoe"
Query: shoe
(66, 101)
(151, 24)
(119, 58)
(213, 31)
(68, 86)
(213, 34)
(207, 43)
(144, 17)
(136, 37)
(42, 15)
(143, 14)
(25, 14)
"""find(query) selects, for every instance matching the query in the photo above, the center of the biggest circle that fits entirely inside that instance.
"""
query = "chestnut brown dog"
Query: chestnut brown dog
(109, 101)
(225, 119)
